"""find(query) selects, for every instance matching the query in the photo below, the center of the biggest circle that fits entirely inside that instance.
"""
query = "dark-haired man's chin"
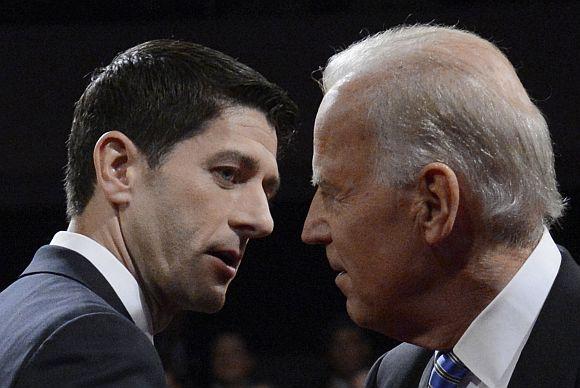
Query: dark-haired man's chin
(211, 303)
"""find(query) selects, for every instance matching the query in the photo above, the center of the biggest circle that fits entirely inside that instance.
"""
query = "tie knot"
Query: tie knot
(448, 371)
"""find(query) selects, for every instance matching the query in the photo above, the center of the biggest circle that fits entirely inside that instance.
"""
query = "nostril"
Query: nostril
(316, 232)
(253, 229)
(266, 228)
(252, 218)
(306, 235)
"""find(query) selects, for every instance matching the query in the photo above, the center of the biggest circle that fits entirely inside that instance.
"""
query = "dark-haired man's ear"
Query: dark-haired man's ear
(116, 160)
(439, 201)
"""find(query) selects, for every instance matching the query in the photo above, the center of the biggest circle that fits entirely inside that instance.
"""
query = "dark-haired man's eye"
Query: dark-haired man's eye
(227, 175)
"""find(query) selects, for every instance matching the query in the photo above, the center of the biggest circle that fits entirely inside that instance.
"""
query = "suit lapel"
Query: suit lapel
(65, 262)
(550, 358)
(424, 383)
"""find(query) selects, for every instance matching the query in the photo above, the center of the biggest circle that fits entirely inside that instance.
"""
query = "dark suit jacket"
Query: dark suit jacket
(550, 358)
(62, 325)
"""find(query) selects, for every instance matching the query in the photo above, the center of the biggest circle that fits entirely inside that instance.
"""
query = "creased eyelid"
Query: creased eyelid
(226, 168)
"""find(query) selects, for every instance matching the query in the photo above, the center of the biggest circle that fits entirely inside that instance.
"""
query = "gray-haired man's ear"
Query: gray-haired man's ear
(439, 201)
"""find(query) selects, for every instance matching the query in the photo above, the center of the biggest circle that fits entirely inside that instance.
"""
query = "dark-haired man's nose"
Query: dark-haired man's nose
(252, 217)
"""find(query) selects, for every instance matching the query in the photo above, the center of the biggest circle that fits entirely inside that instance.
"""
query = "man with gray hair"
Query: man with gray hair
(435, 192)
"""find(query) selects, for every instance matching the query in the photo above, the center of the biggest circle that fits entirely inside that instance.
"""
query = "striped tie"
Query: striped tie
(447, 371)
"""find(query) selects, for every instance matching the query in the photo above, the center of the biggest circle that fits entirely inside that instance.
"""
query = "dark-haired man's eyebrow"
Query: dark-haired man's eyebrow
(235, 157)
(249, 164)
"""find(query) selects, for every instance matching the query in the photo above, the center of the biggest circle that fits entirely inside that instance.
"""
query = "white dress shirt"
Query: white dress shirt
(492, 344)
(119, 277)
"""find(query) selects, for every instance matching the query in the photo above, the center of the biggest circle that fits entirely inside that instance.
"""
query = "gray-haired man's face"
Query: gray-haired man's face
(367, 228)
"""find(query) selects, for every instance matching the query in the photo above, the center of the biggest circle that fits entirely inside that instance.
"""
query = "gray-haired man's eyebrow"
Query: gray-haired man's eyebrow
(316, 179)
(319, 181)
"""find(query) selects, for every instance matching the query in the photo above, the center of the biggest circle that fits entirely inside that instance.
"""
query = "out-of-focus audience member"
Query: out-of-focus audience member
(358, 380)
(171, 380)
(183, 366)
(233, 364)
(348, 354)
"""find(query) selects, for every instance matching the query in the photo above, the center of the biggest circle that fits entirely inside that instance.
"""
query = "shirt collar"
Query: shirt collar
(492, 344)
(119, 277)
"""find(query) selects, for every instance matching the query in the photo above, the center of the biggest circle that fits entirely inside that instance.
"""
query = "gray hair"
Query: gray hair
(446, 95)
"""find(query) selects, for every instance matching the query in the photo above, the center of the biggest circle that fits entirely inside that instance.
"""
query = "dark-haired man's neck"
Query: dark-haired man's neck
(105, 230)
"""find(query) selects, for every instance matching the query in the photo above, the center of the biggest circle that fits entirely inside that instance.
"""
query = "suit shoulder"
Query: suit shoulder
(96, 349)
(44, 292)
(33, 308)
(400, 367)
(404, 354)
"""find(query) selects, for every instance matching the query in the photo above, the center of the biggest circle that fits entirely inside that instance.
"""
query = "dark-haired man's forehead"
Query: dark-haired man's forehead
(241, 109)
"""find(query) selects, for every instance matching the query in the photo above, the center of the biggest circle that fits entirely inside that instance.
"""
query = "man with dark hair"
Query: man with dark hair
(171, 164)
(435, 193)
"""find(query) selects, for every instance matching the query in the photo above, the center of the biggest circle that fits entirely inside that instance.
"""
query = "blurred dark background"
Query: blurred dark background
(284, 299)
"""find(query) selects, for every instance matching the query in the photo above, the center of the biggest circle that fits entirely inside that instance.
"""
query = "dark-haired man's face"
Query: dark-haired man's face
(191, 218)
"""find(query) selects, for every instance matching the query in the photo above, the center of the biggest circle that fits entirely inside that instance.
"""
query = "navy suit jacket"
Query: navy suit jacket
(550, 358)
(63, 325)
